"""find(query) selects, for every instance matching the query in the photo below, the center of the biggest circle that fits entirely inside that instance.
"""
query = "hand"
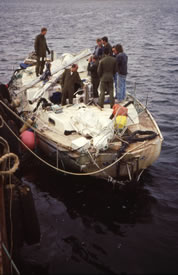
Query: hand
(90, 59)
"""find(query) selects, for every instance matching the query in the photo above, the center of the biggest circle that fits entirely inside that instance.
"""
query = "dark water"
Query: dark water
(86, 226)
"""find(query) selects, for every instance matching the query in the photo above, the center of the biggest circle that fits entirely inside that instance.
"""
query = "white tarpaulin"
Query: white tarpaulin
(90, 122)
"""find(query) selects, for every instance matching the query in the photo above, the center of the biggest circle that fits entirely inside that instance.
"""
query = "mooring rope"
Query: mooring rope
(9, 173)
(15, 165)
(10, 258)
(1, 122)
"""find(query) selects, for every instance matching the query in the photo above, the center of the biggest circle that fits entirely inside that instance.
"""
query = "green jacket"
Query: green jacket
(92, 68)
(109, 48)
(41, 45)
(107, 68)
(70, 81)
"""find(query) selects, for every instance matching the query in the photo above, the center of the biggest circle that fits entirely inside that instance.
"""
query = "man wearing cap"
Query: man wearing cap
(69, 80)
(40, 49)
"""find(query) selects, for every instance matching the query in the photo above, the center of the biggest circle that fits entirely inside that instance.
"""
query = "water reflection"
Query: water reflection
(77, 216)
(96, 201)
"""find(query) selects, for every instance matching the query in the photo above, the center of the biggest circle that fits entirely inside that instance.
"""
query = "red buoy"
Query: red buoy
(28, 138)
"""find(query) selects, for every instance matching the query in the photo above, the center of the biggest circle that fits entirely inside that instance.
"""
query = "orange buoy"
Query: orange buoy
(120, 110)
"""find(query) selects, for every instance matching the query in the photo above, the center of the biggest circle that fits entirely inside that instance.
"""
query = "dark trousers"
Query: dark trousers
(67, 93)
(95, 83)
(106, 86)
(40, 65)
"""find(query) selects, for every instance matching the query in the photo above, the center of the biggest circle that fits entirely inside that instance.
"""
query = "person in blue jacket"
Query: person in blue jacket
(121, 60)
(116, 76)
(98, 49)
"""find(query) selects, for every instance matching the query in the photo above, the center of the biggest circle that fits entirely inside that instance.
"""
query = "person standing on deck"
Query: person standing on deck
(122, 60)
(116, 76)
(114, 52)
(106, 44)
(98, 49)
(92, 68)
(106, 71)
(69, 79)
(40, 49)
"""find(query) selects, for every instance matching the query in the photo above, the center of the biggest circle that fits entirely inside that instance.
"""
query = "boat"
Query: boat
(114, 144)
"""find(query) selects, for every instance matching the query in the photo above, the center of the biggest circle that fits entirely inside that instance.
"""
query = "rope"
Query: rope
(72, 173)
(15, 166)
(9, 109)
(96, 163)
(10, 258)
(10, 216)
(1, 122)
(4, 142)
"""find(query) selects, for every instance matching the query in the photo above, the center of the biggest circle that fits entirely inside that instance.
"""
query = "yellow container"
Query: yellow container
(120, 122)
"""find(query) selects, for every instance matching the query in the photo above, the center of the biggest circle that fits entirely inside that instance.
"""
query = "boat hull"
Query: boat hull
(129, 167)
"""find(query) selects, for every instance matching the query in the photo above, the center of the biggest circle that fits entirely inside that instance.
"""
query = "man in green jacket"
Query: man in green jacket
(106, 44)
(70, 81)
(40, 48)
(106, 71)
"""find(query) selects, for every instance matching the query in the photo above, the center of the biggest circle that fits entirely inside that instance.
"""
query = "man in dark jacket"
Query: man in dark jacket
(107, 45)
(98, 49)
(69, 79)
(95, 80)
(122, 60)
(40, 49)
(106, 71)
(116, 76)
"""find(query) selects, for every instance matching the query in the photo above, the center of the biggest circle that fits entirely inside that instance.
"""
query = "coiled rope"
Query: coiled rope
(15, 165)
